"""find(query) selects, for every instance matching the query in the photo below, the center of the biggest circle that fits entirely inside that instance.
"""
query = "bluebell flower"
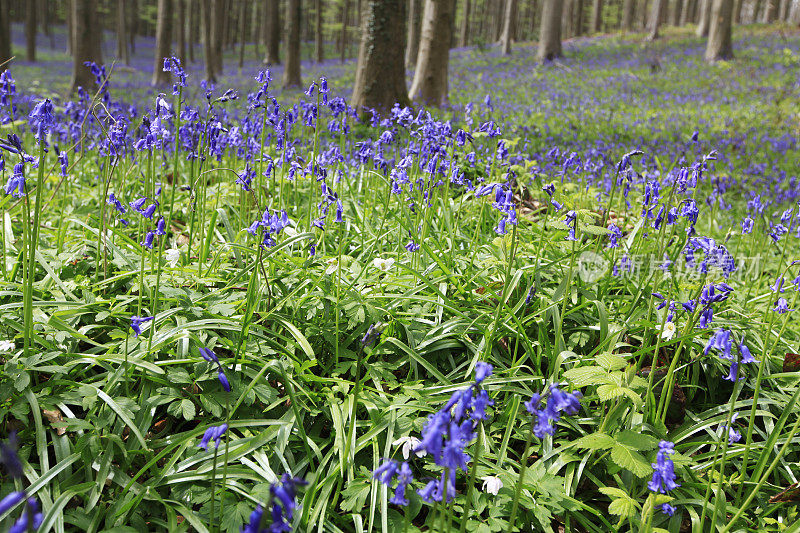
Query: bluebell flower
(482, 371)
(663, 479)
(747, 225)
(733, 435)
(16, 183)
(667, 509)
(782, 306)
(137, 321)
(148, 240)
(9, 457)
(733, 372)
(404, 478)
(41, 118)
(33, 511)
(558, 402)
(11, 500)
(63, 160)
(161, 227)
(214, 433)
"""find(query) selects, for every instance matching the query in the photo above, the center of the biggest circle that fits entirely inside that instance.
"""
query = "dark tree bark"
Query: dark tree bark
(86, 42)
(181, 30)
(122, 37)
(45, 23)
(687, 13)
(219, 22)
(509, 20)
(770, 11)
(319, 52)
(291, 74)
(343, 37)
(597, 16)
(628, 14)
(242, 31)
(705, 18)
(133, 28)
(676, 12)
(430, 85)
(737, 11)
(5, 35)
(192, 31)
(258, 33)
(412, 40)
(579, 22)
(550, 31)
(655, 19)
(497, 18)
(30, 30)
(163, 43)
(464, 37)
(720, 46)
(272, 27)
(756, 11)
(380, 75)
(566, 19)
(785, 8)
(208, 41)
(70, 27)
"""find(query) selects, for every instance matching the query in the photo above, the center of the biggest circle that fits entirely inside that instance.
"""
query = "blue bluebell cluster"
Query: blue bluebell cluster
(214, 433)
(283, 505)
(211, 357)
(664, 479)
(137, 321)
(558, 402)
(31, 517)
(721, 341)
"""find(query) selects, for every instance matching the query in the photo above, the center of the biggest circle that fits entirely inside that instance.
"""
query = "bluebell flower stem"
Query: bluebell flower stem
(523, 465)
(473, 472)
(212, 524)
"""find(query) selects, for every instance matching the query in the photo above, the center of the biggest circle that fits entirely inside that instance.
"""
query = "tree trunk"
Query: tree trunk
(497, 18)
(756, 11)
(5, 34)
(272, 26)
(687, 12)
(380, 75)
(676, 12)
(86, 42)
(628, 14)
(645, 15)
(343, 34)
(412, 39)
(785, 8)
(705, 18)
(319, 52)
(70, 26)
(430, 85)
(122, 38)
(566, 19)
(191, 30)
(655, 19)
(163, 43)
(597, 16)
(509, 19)
(579, 25)
(218, 22)
(291, 74)
(181, 30)
(242, 31)
(45, 23)
(550, 31)
(464, 37)
(719, 45)
(257, 31)
(208, 41)
(771, 11)
(30, 30)
(133, 28)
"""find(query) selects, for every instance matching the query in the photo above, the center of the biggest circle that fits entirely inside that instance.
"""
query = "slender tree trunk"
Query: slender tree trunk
(45, 24)
(655, 19)
(133, 29)
(208, 41)
(412, 39)
(242, 31)
(180, 28)
(497, 18)
(550, 31)
(5, 35)
(645, 15)
(257, 31)
(430, 85)
(380, 75)
(319, 52)
(343, 35)
(122, 37)
(687, 11)
(719, 46)
(291, 74)
(86, 42)
(30, 30)
(70, 25)
(579, 25)
(272, 29)
(463, 39)
(770, 11)
(191, 29)
(597, 16)
(785, 8)
(737, 11)
(705, 18)
(218, 23)
(566, 19)
(628, 14)
(676, 12)
(163, 43)
(509, 18)
(756, 11)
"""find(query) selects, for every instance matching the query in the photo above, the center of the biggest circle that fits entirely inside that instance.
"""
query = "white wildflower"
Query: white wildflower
(333, 265)
(409, 443)
(492, 485)
(6, 346)
(173, 255)
(383, 264)
(669, 331)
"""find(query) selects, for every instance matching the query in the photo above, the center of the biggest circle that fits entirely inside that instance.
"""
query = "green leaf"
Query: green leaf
(636, 441)
(630, 460)
(188, 409)
(595, 441)
(586, 375)
(622, 507)
(610, 362)
(610, 391)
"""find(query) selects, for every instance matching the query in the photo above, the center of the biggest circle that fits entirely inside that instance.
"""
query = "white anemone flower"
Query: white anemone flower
(669, 331)
(173, 255)
(6, 346)
(333, 265)
(492, 485)
(409, 443)
(383, 264)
